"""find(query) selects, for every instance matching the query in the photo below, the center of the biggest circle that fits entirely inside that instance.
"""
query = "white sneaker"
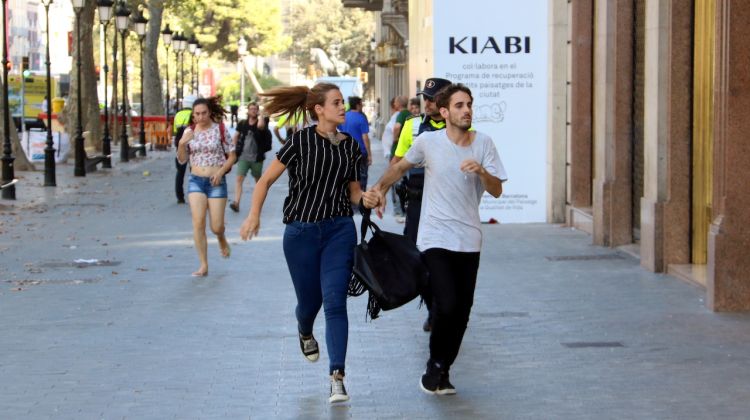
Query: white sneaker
(309, 347)
(338, 391)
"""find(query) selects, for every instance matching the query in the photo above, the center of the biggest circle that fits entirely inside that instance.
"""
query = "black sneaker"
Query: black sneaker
(427, 326)
(431, 378)
(309, 347)
(445, 387)
(338, 391)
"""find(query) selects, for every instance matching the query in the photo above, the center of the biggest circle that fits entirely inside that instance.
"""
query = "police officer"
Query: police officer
(430, 120)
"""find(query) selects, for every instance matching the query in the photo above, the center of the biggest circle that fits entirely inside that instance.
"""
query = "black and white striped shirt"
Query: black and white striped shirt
(319, 176)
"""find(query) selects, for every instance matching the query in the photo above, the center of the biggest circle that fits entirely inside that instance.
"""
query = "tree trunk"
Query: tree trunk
(152, 95)
(89, 97)
(21, 163)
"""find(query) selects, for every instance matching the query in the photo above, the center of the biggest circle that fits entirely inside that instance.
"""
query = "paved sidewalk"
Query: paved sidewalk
(559, 329)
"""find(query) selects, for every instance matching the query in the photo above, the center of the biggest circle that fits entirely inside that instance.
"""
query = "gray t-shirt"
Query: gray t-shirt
(250, 148)
(450, 201)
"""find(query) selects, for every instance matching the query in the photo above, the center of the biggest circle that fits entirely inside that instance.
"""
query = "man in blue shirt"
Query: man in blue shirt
(356, 125)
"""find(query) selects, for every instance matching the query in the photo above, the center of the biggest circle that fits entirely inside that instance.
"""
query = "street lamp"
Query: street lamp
(105, 14)
(166, 37)
(141, 23)
(9, 190)
(242, 51)
(198, 51)
(192, 46)
(80, 153)
(49, 151)
(121, 24)
(180, 43)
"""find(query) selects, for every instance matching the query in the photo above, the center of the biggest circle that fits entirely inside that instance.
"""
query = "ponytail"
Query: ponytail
(296, 100)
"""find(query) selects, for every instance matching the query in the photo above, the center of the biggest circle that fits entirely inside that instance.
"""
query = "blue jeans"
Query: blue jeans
(319, 256)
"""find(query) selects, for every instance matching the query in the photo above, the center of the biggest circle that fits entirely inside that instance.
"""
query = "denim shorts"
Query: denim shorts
(202, 184)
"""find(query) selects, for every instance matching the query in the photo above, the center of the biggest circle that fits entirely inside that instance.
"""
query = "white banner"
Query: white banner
(499, 50)
(34, 142)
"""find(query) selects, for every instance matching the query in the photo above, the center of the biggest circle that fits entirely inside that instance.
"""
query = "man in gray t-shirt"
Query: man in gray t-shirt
(460, 165)
(254, 139)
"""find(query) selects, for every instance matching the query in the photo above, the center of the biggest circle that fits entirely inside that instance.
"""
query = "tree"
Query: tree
(21, 163)
(152, 95)
(219, 24)
(87, 90)
(322, 23)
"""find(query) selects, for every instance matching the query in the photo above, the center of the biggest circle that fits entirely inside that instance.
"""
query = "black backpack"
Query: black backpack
(388, 266)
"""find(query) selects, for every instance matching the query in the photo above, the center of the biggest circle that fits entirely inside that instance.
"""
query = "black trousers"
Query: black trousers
(453, 277)
(414, 187)
(179, 180)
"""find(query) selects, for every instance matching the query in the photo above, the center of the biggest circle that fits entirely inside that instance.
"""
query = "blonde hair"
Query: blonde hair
(296, 100)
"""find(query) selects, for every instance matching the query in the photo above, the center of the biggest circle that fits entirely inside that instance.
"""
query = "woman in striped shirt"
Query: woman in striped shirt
(320, 236)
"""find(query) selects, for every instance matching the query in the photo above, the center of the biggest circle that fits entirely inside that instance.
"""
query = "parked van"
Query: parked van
(348, 85)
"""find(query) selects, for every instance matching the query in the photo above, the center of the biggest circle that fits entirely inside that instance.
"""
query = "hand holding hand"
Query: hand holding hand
(249, 228)
(371, 198)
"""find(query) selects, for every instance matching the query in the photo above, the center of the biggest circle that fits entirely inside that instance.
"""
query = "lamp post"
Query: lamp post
(176, 45)
(9, 190)
(192, 46)
(242, 51)
(198, 51)
(180, 43)
(49, 151)
(121, 23)
(105, 14)
(80, 153)
(140, 23)
(166, 37)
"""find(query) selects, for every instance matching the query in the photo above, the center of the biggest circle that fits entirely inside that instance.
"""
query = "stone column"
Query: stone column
(556, 112)
(665, 207)
(580, 101)
(728, 283)
(613, 101)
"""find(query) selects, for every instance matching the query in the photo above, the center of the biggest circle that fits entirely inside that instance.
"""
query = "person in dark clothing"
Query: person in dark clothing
(252, 140)
(182, 120)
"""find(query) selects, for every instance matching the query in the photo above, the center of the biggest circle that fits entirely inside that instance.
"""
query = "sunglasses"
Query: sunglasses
(428, 98)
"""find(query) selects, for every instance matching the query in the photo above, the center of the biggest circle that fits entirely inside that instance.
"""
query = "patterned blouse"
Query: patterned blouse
(206, 148)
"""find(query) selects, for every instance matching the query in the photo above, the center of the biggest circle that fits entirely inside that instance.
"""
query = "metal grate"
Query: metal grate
(80, 264)
(586, 257)
(503, 314)
(592, 344)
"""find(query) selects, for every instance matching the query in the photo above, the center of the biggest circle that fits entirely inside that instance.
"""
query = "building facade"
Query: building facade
(391, 50)
(653, 135)
(646, 127)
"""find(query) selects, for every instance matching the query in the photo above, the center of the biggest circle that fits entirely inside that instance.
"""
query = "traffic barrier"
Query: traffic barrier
(158, 133)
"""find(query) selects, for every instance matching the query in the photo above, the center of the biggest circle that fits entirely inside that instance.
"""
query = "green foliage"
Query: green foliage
(219, 24)
(321, 23)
